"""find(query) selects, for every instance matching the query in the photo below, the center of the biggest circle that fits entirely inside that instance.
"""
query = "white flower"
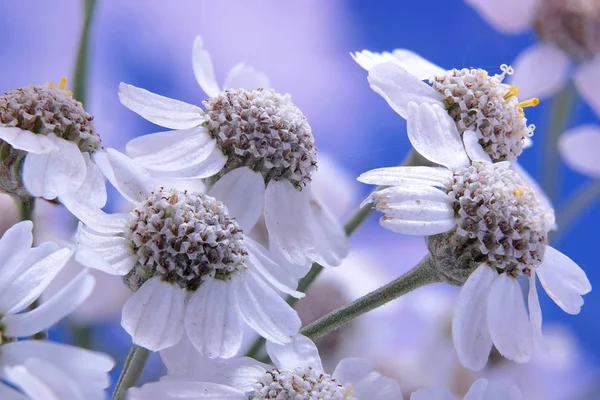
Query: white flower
(579, 148)
(297, 374)
(52, 142)
(481, 390)
(568, 30)
(501, 227)
(42, 370)
(252, 146)
(193, 271)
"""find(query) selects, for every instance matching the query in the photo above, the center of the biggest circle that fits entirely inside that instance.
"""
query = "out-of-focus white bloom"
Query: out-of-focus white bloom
(41, 369)
(501, 227)
(252, 146)
(568, 30)
(297, 373)
(54, 138)
(481, 390)
(335, 186)
(579, 148)
(193, 271)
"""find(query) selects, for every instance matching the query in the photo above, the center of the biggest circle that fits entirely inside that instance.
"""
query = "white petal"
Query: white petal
(185, 390)
(399, 88)
(203, 69)
(286, 216)
(535, 316)
(540, 71)
(7, 393)
(301, 352)
(213, 321)
(154, 142)
(243, 192)
(484, 390)
(510, 16)
(15, 246)
(50, 312)
(420, 228)
(587, 82)
(267, 313)
(563, 280)
(394, 176)
(110, 254)
(474, 149)
(25, 140)
(508, 321)
(365, 382)
(329, 235)
(470, 330)
(94, 218)
(42, 381)
(160, 110)
(125, 175)
(368, 59)
(408, 60)
(93, 188)
(210, 166)
(243, 76)
(433, 133)
(153, 315)
(32, 281)
(433, 393)
(579, 148)
(542, 197)
(49, 175)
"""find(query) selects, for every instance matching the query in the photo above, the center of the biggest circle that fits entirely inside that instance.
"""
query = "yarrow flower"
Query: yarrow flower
(297, 374)
(480, 390)
(579, 149)
(193, 270)
(485, 228)
(253, 146)
(39, 368)
(48, 142)
(568, 31)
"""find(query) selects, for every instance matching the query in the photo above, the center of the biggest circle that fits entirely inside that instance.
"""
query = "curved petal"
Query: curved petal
(27, 141)
(540, 71)
(395, 176)
(125, 175)
(474, 149)
(484, 390)
(15, 246)
(110, 254)
(470, 330)
(160, 110)
(213, 321)
(185, 390)
(365, 382)
(153, 315)
(95, 218)
(286, 216)
(579, 148)
(154, 142)
(50, 312)
(399, 88)
(43, 381)
(433, 133)
(203, 69)
(301, 352)
(535, 316)
(510, 16)
(49, 175)
(410, 61)
(243, 76)
(588, 83)
(210, 166)
(267, 313)
(508, 321)
(563, 280)
(93, 188)
(329, 235)
(243, 192)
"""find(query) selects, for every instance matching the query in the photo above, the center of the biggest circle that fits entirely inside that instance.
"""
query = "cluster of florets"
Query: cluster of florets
(573, 26)
(265, 131)
(300, 384)
(183, 237)
(482, 103)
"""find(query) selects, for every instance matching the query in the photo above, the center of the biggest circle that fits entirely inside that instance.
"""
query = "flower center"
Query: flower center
(573, 26)
(483, 104)
(48, 109)
(497, 209)
(302, 383)
(263, 130)
(184, 238)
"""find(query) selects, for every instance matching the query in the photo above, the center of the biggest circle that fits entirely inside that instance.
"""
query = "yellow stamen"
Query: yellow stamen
(513, 91)
(529, 103)
(63, 83)
(519, 192)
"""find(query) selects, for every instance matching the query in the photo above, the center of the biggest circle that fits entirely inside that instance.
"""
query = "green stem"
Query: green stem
(562, 105)
(421, 275)
(81, 65)
(26, 205)
(584, 198)
(132, 370)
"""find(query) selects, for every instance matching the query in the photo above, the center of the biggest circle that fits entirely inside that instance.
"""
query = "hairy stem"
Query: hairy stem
(26, 205)
(81, 64)
(132, 370)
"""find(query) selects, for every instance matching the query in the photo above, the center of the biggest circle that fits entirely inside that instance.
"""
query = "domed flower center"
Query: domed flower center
(483, 104)
(48, 109)
(265, 131)
(302, 383)
(184, 238)
(499, 211)
(573, 26)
